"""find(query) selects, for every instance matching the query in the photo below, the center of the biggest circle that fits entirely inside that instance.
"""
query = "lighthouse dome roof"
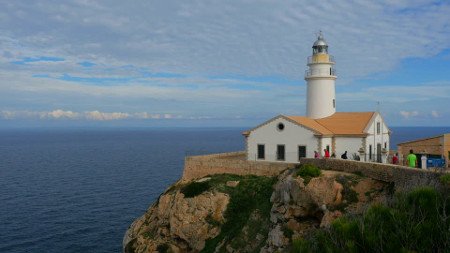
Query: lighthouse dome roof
(320, 41)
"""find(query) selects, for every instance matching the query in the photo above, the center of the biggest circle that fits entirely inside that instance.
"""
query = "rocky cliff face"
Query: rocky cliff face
(177, 223)
(227, 213)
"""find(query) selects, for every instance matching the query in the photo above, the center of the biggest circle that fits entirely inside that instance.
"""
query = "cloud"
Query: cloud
(434, 114)
(57, 114)
(96, 115)
(246, 37)
(88, 115)
(408, 115)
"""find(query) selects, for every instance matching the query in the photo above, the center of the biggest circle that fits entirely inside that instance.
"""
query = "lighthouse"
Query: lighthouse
(320, 81)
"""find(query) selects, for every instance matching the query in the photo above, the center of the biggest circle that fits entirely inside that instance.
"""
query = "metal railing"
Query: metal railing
(312, 59)
(320, 72)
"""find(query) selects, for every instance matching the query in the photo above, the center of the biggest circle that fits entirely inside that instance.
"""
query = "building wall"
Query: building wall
(231, 163)
(404, 178)
(292, 136)
(373, 138)
(349, 144)
(320, 95)
(439, 145)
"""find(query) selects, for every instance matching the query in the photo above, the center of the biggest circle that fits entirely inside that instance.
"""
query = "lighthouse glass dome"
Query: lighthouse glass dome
(320, 46)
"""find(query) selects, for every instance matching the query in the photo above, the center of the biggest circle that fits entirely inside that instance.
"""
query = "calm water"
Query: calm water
(79, 190)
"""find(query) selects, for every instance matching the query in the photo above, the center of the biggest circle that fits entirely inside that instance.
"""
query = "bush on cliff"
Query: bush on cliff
(308, 171)
(249, 208)
(415, 222)
(195, 188)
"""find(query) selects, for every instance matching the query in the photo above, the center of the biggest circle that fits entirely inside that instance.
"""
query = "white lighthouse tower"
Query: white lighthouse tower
(320, 80)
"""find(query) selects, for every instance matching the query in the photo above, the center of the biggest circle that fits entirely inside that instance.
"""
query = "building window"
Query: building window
(280, 153)
(301, 152)
(261, 151)
(385, 145)
(328, 148)
(280, 126)
(378, 127)
(370, 152)
(334, 103)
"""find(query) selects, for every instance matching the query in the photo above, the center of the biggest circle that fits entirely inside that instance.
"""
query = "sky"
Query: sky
(218, 63)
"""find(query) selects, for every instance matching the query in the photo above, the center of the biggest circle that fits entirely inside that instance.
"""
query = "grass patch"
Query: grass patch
(308, 171)
(414, 222)
(195, 188)
(251, 196)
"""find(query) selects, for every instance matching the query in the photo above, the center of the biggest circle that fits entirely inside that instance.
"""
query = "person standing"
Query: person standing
(327, 153)
(411, 159)
(395, 159)
(344, 156)
(316, 154)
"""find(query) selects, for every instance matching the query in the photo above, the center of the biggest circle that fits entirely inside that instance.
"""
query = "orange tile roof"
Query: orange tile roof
(347, 122)
(311, 124)
(340, 123)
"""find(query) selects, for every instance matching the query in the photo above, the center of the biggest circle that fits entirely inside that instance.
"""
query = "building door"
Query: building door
(261, 151)
(280, 153)
(379, 152)
(301, 152)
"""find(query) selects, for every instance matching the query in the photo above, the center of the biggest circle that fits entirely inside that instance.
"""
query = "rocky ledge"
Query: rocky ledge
(230, 213)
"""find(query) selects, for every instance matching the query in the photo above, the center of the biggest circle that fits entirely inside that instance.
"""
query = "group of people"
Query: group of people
(411, 159)
(327, 154)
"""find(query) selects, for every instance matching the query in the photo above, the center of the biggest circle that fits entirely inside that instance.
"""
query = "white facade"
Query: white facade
(377, 139)
(349, 144)
(292, 136)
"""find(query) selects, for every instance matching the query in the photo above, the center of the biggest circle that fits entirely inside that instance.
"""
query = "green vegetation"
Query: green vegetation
(195, 188)
(308, 171)
(417, 221)
(445, 179)
(348, 194)
(247, 213)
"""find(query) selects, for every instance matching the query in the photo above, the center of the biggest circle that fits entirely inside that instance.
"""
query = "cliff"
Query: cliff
(231, 213)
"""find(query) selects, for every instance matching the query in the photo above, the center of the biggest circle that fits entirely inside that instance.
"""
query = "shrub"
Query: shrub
(415, 222)
(445, 179)
(195, 188)
(308, 171)
(252, 195)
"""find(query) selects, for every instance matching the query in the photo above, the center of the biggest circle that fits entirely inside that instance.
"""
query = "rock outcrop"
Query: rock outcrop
(176, 223)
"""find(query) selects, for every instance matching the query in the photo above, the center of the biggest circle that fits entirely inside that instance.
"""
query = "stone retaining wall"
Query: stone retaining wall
(404, 178)
(233, 163)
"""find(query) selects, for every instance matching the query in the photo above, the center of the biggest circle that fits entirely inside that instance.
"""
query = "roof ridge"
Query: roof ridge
(324, 126)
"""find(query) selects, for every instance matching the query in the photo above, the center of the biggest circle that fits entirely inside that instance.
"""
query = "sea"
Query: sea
(78, 190)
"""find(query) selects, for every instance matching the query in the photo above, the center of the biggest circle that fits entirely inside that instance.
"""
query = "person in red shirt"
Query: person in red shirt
(327, 153)
(395, 159)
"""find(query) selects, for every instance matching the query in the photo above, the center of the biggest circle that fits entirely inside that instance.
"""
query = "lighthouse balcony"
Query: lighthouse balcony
(320, 73)
(321, 58)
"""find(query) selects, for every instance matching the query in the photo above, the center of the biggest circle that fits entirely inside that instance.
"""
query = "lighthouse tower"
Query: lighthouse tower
(320, 80)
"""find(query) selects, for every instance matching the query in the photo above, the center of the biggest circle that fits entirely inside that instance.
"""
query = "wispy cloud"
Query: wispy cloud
(408, 115)
(88, 115)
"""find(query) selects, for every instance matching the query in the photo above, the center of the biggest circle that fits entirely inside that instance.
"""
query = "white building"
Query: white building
(289, 138)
